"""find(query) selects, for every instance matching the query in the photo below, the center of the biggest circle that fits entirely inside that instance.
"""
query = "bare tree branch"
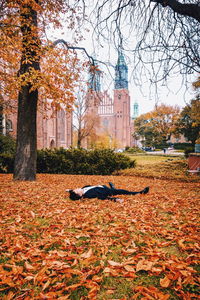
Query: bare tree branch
(163, 37)
(61, 41)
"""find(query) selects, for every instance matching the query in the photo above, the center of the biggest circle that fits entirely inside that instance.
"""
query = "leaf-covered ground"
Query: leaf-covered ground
(53, 248)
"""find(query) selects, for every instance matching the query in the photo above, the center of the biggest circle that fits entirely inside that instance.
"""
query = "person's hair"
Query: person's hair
(73, 195)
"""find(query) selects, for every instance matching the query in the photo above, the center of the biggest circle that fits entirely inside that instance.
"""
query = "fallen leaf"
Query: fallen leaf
(28, 266)
(32, 214)
(165, 282)
(114, 263)
(87, 254)
(46, 285)
(144, 265)
(129, 268)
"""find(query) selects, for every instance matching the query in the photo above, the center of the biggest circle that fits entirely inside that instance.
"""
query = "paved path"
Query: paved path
(168, 152)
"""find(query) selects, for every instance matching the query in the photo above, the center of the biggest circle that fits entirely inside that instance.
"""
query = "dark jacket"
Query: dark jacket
(98, 192)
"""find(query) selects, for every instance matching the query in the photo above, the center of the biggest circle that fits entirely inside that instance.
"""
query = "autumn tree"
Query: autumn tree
(84, 121)
(43, 68)
(189, 121)
(157, 126)
(162, 34)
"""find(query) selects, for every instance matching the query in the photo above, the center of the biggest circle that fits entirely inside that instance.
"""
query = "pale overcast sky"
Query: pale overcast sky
(146, 95)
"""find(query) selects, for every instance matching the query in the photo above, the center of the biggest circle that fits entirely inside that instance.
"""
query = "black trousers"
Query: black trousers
(115, 192)
(112, 191)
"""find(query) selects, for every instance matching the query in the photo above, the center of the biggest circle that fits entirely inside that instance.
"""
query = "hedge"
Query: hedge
(7, 144)
(81, 161)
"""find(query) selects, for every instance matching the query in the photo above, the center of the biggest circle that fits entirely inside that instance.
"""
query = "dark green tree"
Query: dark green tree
(189, 122)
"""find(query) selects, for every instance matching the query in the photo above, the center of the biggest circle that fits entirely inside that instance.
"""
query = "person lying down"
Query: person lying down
(102, 192)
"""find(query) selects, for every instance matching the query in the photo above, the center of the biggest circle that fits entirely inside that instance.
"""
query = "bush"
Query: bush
(7, 150)
(73, 161)
(187, 151)
(6, 163)
(7, 144)
(80, 161)
(182, 146)
(134, 150)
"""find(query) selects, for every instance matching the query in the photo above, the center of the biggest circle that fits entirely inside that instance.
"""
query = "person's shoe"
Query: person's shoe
(111, 185)
(145, 190)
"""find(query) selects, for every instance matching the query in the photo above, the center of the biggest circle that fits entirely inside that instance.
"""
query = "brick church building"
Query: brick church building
(113, 113)
(54, 129)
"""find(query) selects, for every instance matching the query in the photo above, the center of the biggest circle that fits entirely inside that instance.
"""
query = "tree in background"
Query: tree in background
(189, 122)
(167, 33)
(44, 69)
(84, 122)
(157, 126)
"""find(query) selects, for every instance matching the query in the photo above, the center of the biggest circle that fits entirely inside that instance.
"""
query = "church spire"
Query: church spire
(94, 81)
(121, 73)
(135, 110)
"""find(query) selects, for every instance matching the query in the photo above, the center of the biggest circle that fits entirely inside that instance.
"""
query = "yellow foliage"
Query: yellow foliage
(196, 84)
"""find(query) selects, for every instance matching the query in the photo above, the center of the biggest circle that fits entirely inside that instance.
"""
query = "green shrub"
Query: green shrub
(73, 161)
(188, 150)
(6, 162)
(7, 144)
(134, 150)
(53, 161)
(182, 146)
(80, 161)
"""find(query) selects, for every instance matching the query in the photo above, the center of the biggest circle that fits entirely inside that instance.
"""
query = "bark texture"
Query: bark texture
(26, 151)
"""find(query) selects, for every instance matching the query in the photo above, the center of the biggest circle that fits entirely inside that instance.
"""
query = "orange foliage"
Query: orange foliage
(52, 247)
(59, 68)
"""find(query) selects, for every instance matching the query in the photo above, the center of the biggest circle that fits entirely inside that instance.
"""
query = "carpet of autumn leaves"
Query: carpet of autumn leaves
(53, 248)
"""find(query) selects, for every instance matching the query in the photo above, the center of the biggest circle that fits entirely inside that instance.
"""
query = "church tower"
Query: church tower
(122, 117)
(135, 110)
(94, 82)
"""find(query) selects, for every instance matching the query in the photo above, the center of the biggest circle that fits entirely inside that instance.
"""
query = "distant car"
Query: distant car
(120, 150)
(147, 148)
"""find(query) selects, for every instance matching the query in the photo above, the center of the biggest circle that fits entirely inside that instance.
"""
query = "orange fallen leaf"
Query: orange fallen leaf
(87, 254)
(32, 214)
(165, 282)
(29, 278)
(114, 263)
(110, 292)
(28, 266)
(144, 265)
(129, 268)
(46, 285)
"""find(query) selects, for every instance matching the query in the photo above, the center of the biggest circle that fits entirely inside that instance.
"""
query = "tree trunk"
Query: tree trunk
(26, 151)
(79, 139)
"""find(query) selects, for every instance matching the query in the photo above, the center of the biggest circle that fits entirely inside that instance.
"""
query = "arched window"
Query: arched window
(9, 126)
(52, 144)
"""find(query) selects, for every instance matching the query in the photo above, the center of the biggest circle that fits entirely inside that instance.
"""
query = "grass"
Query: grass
(160, 166)
(146, 159)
